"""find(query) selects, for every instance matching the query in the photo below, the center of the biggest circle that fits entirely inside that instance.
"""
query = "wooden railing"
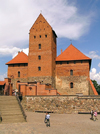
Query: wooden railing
(23, 112)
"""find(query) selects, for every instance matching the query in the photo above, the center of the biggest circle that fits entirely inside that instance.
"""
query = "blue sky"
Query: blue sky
(76, 20)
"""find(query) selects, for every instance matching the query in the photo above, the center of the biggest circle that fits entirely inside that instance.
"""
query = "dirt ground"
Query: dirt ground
(60, 124)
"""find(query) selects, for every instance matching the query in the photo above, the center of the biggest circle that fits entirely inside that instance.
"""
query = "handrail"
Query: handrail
(23, 112)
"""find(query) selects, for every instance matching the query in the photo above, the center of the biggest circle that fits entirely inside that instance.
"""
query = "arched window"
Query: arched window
(18, 73)
(71, 72)
(71, 85)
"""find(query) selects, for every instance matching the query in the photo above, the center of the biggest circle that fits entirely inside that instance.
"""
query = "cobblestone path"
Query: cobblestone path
(60, 124)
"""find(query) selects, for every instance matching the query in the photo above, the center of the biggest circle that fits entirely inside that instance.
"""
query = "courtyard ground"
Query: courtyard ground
(60, 124)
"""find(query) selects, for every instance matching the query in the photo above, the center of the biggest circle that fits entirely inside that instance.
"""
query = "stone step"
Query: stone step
(11, 112)
(9, 103)
(9, 106)
(15, 120)
(13, 116)
(5, 100)
(7, 97)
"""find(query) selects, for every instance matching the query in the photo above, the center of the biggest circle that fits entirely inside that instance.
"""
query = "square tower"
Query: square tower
(42, 52)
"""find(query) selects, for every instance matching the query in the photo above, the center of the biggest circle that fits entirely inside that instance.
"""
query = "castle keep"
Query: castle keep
(68, 73)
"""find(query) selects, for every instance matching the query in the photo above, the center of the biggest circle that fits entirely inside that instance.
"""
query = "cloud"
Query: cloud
(99, 65)
(18, 17)
(94, 75)
(2, 76)
(8, 51)
(94, 55)
(26, 51)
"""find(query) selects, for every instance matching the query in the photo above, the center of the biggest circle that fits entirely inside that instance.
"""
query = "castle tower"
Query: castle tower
(72, 72)
(42, 52)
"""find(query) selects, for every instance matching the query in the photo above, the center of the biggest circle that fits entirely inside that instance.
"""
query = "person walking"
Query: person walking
(0, 118)
(48, 120)
(92, 112)
(45, 120)
(95, 115)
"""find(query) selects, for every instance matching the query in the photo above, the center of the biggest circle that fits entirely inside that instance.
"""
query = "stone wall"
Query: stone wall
(80, 85)
(61, 104)
(14, 81)
(43, 79)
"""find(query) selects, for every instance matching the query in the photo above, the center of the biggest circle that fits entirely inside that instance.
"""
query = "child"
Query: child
(95, 116)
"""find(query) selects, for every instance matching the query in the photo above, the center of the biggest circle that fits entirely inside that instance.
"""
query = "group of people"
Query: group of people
(47, 119)
(93, 115)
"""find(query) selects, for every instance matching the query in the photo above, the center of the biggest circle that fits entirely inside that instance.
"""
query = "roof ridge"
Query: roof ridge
(38, 18)
(72, 53)
(21, 57)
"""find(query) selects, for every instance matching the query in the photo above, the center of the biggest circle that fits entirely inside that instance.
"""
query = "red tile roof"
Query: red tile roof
(93, 88)
(20, 58)
(2, 83)
(72, 53)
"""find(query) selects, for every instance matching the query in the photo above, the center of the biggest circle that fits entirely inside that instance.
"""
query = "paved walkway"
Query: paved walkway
(60, 124)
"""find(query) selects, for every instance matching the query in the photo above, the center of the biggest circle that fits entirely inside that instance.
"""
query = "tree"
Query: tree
(97, 87)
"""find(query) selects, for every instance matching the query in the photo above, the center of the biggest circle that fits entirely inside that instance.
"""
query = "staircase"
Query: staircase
(10, 110)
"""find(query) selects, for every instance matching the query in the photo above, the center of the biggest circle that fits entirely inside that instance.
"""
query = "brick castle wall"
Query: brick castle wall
(78, 78)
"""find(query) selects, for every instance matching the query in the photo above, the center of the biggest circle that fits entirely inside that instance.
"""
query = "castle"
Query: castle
(67, 74)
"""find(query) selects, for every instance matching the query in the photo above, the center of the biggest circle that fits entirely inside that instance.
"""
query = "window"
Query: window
(67, 62)
(25, 64)
(60, 62)
(34, 37)
(39, 46)
(74, 62)
(39, 57)
(81, 61)
(40, 36)
(18, 73)
(71, 85)
(46, 35)
(71, 72)
(18, 65)
(39, 68)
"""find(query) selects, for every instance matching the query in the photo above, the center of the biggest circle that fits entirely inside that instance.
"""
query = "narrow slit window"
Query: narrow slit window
(39, 68)
(71, 72)
(18, 73)
(39, 57)
(46, 35)
(71, 85)
(39, 46)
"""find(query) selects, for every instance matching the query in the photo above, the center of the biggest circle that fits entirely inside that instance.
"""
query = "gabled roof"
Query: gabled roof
(20, 58)
(39, 19)
(44, 21)
(72, 53)
(2, 83)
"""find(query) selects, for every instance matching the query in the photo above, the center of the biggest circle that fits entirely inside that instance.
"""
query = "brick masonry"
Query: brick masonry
(42, 64)
(62, 104)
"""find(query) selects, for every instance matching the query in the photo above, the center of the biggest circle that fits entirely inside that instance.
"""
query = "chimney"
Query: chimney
(61, 50)
(18, 52)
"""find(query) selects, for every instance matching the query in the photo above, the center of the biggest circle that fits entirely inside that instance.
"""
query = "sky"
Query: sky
(74, 21)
